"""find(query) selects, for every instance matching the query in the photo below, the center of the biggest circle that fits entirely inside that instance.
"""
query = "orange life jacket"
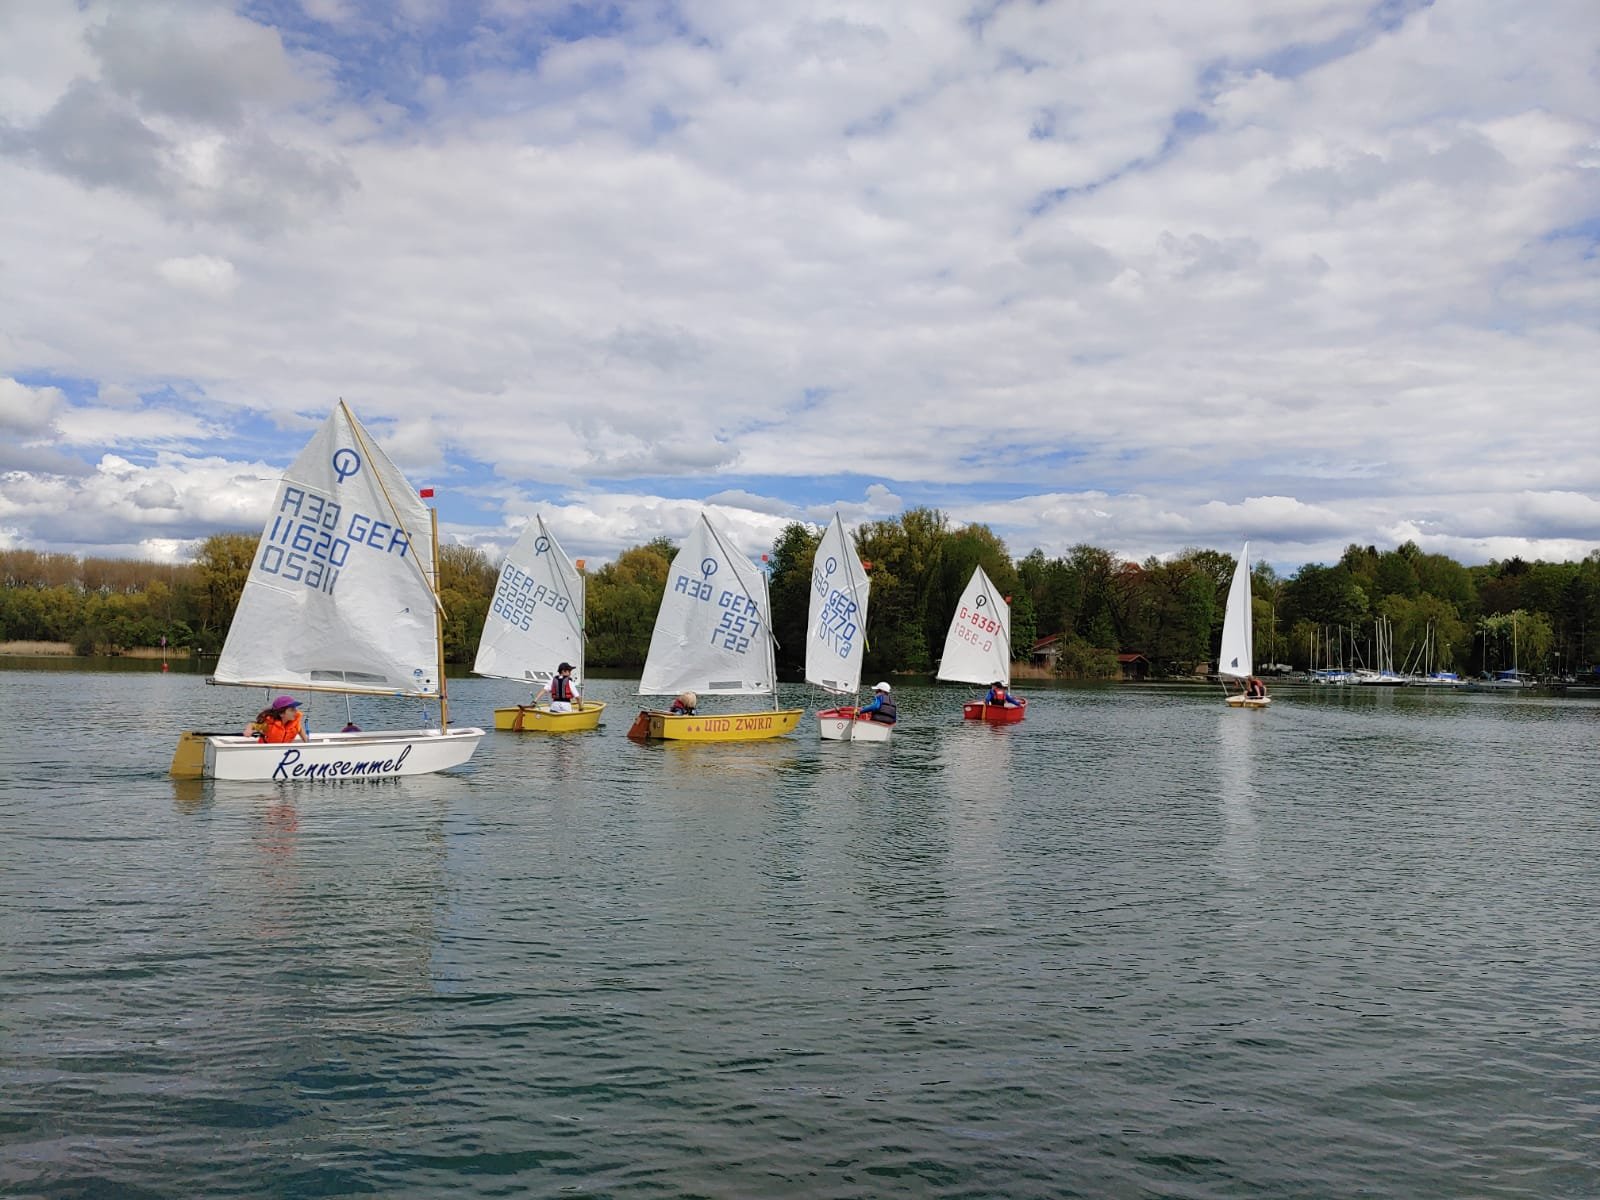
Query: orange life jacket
(282, 729)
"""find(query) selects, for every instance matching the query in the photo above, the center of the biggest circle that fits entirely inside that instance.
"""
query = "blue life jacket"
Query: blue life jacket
(882, 709)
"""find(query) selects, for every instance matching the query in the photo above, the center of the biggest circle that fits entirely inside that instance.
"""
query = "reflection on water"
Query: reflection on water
(1138, 945)
(1238, 854)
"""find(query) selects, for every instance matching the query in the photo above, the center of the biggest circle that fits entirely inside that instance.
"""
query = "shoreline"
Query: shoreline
(66, 650)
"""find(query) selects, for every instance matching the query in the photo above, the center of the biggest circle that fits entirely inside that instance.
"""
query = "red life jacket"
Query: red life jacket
(561, 688)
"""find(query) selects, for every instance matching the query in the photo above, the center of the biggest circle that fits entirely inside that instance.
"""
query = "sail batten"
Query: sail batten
(339, 595)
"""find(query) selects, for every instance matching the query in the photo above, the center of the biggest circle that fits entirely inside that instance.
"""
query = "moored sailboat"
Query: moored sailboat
(534, 623)
(342, 596)
(836, 637)
(713, 636)
(977, 649)
(1238, 637)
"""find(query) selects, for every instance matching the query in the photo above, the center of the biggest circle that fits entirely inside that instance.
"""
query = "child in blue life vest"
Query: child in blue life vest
(882, 707)
(999, 696)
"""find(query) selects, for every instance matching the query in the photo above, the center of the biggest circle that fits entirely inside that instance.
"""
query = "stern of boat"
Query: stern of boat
(189, 759)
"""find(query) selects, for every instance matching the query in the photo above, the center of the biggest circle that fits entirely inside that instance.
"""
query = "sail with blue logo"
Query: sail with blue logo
(712, 632)
(340, 593)
(535, 619)
(837, 618)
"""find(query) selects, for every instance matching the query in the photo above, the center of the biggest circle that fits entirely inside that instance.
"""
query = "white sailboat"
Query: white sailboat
(342, 596)
(977, 648)
(536, 622)
(713, 636)
(1237, 658)
(836, 636)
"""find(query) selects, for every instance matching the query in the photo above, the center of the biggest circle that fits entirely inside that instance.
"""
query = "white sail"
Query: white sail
(712, 632)
(978, 647)
(1238, 652)
(339, 596)
(836, 636)
(535, 621)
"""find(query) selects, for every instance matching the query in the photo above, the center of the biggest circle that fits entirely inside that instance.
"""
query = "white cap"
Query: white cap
(882, 687)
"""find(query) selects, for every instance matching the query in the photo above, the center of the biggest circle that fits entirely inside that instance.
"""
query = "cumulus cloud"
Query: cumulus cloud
(201, 273)
(1144, 276)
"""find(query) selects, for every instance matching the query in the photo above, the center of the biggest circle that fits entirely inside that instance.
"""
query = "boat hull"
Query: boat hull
(714, 727)
(1249, 701)
(842, 725)
(385, 754)
(995, 714)
(531, 718)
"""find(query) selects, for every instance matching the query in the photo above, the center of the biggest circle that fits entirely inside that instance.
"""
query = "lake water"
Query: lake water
(1136, 946)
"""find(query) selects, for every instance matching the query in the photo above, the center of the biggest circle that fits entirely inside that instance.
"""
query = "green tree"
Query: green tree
(623, 598)
(789, 585)
(466, 588)
(221, 567)
(904, 554)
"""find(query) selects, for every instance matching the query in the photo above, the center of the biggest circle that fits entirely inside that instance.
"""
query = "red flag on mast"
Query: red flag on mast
(425, 493)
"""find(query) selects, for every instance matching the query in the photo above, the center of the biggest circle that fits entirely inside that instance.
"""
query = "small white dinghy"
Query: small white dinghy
(342, 596)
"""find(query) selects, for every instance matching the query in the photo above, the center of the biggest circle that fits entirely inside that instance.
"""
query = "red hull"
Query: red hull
(995, 714)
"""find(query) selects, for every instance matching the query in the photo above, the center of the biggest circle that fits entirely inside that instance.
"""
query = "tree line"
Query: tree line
(1537, 616)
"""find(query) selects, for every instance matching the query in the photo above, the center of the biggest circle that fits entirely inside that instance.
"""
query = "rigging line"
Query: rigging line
(372, 451)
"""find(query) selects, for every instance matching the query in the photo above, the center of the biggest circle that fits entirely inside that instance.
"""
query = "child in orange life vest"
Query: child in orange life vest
(280, 722)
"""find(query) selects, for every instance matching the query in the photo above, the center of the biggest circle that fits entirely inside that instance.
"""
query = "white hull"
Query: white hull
(849, 729)
(384, 754)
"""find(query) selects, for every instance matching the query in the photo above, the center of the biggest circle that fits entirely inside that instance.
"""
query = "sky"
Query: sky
(1143, 274)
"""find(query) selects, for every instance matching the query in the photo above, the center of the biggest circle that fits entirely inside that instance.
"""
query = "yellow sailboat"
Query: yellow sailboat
(713, 636)
(536, 619)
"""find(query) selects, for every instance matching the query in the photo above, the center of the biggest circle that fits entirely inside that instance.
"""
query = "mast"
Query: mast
(438, 620)
(772, 639)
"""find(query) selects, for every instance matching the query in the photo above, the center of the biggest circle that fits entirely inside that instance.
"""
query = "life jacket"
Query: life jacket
(282, 729)
(561, 688)
(883, 709)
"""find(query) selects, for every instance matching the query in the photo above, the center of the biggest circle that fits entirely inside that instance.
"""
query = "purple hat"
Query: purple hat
(286, 702)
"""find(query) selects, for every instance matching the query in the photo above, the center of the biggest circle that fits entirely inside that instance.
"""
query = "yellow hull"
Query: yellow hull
(528, 718)
(715, 727)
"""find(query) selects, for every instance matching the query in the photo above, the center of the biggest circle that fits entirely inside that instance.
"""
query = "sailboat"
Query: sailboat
(536, 617)
(836, 636)
(1238, 635)
(342, 596)
(977, 649)
(713, 635)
